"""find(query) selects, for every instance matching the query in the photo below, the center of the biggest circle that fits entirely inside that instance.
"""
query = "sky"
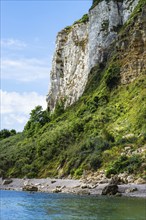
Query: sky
(27, 43)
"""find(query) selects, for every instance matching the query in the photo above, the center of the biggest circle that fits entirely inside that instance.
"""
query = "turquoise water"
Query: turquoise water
(43, 206)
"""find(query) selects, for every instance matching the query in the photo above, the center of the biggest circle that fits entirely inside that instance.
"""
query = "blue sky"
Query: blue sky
(28, 34)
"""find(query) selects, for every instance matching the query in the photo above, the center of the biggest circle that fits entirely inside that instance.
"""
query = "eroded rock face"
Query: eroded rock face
(127, 8)
(104, 21)
(132, 48)
(84, 45)
(70, 66)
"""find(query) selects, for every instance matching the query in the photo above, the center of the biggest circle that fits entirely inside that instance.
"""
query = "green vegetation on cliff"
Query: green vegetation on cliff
(84, 19)
(5, 133)
(104, 129)
(90, 135)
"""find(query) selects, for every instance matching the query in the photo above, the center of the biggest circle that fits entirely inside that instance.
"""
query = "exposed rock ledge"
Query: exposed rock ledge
(73, 186)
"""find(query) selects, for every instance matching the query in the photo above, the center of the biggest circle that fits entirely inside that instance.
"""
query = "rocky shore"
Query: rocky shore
(80, 187)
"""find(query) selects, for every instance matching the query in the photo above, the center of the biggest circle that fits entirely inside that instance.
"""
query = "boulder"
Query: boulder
(129, 190)
(7, 181)
(84, 186)
(92, 186)
(110, 189)
(77, 186)
(53, 181)
(118, 194)
(130, 179)
(140, 181)
(56, 190)
(83, 192)
(104, 181)
(30, 188)
(123, 177)
(116, 180)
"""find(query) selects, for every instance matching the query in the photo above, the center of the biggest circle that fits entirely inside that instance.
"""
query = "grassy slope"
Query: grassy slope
(91, 134)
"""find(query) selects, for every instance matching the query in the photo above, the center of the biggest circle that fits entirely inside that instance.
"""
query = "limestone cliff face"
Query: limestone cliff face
(104, 22)
(69, 68)
(84, 45)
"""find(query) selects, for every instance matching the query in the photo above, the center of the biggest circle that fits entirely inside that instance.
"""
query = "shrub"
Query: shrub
(124, 163)
(38, 118)
(108, 136)
(84, 19)
(92, 104)
(78, 173)
(59, 109)
(134, 162)
(95, 161)
(77, 126)
(113, 76)
(5, 133)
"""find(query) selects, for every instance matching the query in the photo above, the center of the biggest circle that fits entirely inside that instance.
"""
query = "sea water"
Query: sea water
(44, 206)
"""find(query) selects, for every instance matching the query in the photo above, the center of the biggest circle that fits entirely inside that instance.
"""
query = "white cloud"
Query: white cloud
(15, 108)
(25, 70)
(13, 43)
(17, 66)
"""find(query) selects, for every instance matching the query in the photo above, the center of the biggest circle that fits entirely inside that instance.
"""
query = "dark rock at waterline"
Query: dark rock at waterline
(110, 189)
(30, 188)
(83, 192)
(118, 194)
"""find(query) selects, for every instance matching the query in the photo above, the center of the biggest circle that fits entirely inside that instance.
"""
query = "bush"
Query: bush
(77, 126)
(5, 133)
(84, 19)
(107, 136)
(38, 118)
(92, 104)
(78, 173)
(113, 76)
(95, 161)
(124, 163)
(59, 109)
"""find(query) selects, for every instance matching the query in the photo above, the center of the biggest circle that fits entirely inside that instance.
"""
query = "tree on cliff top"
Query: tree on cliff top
(38, 118)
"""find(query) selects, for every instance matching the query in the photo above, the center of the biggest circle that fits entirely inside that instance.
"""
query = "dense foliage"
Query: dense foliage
(5, 133)
(38, 118)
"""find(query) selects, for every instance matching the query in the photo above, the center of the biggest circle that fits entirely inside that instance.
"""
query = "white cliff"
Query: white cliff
(82, 46)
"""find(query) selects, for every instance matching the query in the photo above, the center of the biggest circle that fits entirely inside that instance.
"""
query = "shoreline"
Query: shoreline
(71, 186)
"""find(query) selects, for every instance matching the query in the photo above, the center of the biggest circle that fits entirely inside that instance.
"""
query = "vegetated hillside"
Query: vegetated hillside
(104, 130)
